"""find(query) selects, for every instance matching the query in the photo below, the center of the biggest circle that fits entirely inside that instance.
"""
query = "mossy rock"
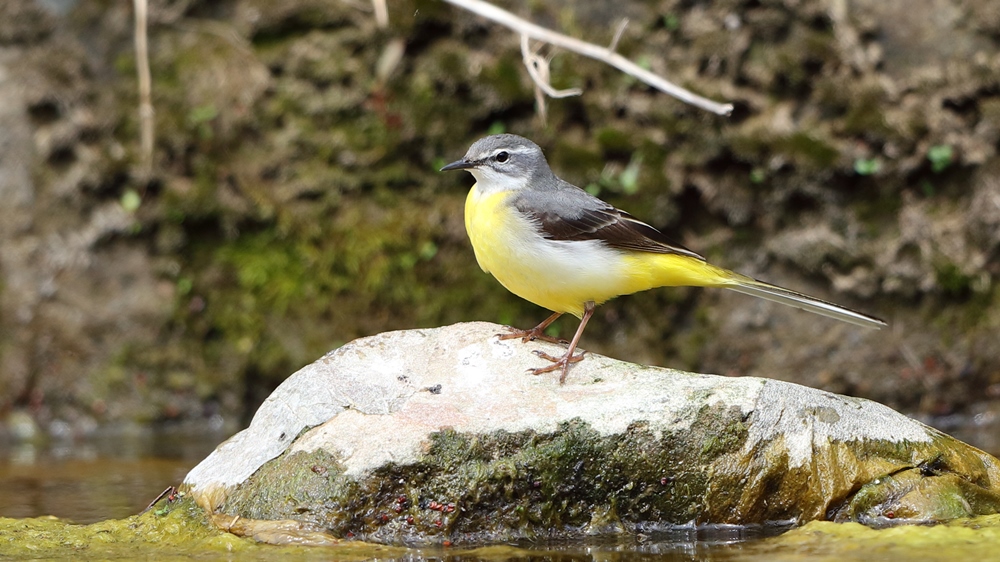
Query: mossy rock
(428, 436)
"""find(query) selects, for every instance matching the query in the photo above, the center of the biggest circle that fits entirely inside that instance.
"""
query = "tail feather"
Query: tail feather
(774, 293)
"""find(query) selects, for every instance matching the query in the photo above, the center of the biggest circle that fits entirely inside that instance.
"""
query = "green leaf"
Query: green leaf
(428, 250)
(184, 286)
(130, 200)
(940, 156)
(867, 166)
(202, 114)
(629, 178)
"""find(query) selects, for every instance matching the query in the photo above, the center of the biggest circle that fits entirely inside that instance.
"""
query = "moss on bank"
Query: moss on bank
(294, 202)
(181, 529)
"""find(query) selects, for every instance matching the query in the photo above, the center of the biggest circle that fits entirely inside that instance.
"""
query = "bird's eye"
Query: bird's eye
(502, 157)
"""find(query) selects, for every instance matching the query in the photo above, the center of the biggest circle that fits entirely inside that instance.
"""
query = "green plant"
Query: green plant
(941, 156)
(867, 166)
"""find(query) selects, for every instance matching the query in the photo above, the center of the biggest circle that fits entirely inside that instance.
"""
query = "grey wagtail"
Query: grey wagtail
(554, 244)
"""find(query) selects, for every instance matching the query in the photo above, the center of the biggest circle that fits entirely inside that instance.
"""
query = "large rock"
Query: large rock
(434, 435)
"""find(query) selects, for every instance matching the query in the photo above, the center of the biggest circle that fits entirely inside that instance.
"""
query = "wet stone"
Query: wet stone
(356, 445)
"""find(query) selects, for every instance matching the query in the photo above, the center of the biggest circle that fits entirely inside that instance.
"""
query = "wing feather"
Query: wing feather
(603, 222)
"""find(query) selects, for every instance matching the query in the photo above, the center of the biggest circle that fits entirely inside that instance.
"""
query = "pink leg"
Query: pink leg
(536, 333)
(567, 359)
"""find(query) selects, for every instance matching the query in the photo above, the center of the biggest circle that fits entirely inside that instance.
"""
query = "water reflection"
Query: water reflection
(113, 474)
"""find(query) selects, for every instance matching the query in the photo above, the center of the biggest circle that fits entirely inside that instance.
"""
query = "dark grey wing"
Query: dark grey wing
(569, 213)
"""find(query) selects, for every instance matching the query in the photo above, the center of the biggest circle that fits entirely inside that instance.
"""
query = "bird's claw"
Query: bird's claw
(531, 335)
(558, 363)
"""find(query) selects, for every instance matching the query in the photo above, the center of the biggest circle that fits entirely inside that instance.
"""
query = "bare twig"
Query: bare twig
(603, 54)
(145, 87)
(381, 13)
(169, 493)
(538, 69)
(618, 34)
(531, 62)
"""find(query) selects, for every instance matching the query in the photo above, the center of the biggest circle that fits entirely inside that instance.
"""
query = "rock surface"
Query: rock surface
(431, 435)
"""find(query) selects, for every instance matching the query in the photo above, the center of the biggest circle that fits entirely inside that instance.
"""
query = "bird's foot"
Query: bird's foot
(558, 363)
(531, 335)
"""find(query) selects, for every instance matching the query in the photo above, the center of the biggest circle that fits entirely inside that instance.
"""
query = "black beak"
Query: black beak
(462, 164)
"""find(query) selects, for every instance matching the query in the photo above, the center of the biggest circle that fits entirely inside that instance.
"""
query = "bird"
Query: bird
(563, 249)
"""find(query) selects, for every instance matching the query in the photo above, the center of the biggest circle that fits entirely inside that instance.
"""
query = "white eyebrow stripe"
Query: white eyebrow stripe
(518, 150)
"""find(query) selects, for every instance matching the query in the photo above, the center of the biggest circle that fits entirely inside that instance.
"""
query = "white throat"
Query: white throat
(490, 181)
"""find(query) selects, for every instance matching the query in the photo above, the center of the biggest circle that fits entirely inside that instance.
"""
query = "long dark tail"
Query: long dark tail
(774, 293)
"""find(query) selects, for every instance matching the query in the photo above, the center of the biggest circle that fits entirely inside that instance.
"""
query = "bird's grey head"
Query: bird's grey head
(504, 162)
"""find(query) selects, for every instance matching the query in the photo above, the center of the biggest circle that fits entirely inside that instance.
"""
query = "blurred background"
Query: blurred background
(291, 203)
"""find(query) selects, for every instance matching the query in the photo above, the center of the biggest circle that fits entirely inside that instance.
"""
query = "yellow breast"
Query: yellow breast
(481, 218)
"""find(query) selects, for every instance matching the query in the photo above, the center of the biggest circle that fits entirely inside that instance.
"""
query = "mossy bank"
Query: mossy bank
(293, 202)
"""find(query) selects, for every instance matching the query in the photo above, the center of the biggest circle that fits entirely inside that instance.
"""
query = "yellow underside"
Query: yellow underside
(562, 276)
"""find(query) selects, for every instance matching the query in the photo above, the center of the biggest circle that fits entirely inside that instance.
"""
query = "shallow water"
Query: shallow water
(109, 477)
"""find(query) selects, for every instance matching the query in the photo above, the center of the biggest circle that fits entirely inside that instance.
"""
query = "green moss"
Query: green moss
(289, 489)
(615, 141)
(174, 531)
(877, 208)
(866, 113)
(729, 439)
(497, 486)
(341, 265)
(180, 529)
(808, 150)
(966, 539)
(908, 496)
(574, 157)
(505, 79)
(953, 281)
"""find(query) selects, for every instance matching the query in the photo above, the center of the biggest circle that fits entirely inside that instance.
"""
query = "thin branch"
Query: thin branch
(590, 50)
(381, 13)
(145, 87)
(618, 34)
(530, 59)
(538, 69)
